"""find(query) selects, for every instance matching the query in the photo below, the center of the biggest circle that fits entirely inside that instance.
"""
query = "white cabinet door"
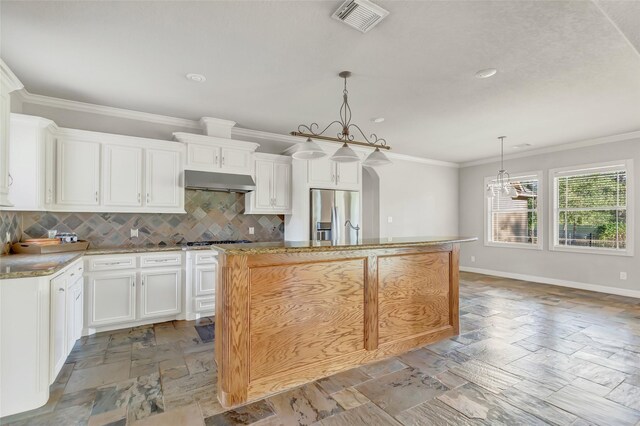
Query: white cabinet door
(78, 310)
(160, 293)
(264, 184)
(205, 279)
(58, 335)
(322, 172)
(348, 174)
(111, 298)
(122, 176)
(235, 160)
(203, 157)
(74, 313)
(281, 186)
(77, 173)
(27, 163)
(163, 179)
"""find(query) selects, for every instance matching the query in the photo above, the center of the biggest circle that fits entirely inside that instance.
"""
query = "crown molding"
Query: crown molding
(9, 77)
(249, 135)
(52, 102)
(557, 148)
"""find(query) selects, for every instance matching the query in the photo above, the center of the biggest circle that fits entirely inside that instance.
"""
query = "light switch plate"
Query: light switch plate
(390, 219)
(134, 232)
(251, 230)
(623, 275)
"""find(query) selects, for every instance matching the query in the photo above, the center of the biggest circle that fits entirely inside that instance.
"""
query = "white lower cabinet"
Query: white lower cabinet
(111, 298)
(202, 276)
(161, 293)
(65, 316)
(75, 303)
(58, 325)
(129, 289)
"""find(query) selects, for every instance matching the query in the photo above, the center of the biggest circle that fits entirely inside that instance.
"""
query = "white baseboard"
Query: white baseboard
(553, 281)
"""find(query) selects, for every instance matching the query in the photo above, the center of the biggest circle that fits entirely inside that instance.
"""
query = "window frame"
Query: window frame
(553, 209)
(488, 231)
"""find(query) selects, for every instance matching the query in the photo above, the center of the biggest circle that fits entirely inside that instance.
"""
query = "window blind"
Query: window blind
(591, 208)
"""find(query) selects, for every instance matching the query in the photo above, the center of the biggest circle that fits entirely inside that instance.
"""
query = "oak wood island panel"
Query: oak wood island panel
(290, 313)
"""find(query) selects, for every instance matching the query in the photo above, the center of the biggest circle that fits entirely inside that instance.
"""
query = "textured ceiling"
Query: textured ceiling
(566, 72)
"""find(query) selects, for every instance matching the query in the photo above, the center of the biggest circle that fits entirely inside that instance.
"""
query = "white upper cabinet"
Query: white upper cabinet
(122, 184)
(216, 154)
(8, 83)
(32, 182)
(325, 173)
(322, 172)
(163, 179)
(77, 172)
(101, 172)
(264, 181)
(235, 160)
(203, 157)
(273, 186)
(282, 186)
(348, 175)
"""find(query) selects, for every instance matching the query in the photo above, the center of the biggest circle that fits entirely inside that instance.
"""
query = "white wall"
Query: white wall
(421, 198)
(576, 268)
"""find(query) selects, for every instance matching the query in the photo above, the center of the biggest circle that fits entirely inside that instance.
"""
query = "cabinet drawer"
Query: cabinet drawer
(205, 304)
(205, 258)
(74, 274)
(106, 263)
(155, 260)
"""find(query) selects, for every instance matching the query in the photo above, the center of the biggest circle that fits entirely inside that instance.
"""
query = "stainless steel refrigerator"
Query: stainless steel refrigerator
(335, 216)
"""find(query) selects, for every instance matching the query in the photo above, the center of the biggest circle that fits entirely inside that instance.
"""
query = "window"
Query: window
(514, 221)
(592, 208)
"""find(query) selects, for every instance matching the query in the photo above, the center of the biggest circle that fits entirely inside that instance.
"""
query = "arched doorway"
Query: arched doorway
(370, 203)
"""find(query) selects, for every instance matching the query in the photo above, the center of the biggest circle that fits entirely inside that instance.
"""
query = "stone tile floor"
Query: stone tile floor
(527, 354)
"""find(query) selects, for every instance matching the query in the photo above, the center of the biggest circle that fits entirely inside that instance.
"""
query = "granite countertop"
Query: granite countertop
(35, 265)
(311, 246)
(38, 265)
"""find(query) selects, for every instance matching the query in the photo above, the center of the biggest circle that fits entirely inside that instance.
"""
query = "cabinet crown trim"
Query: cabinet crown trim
(215, 141)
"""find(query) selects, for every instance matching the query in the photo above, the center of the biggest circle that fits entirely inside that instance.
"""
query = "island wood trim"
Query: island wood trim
(287, 294)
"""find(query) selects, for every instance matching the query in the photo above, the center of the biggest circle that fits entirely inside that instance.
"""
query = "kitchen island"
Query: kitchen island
(291, 312)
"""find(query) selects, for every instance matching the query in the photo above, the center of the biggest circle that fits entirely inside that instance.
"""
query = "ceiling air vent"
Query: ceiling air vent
(360, 14)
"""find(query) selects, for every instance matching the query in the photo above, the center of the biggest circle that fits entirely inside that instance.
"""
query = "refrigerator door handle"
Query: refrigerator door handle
(335, 227)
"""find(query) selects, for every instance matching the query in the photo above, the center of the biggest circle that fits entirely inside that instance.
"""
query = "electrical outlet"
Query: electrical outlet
(134, 232)
(251, 230)
(390, 219)
(7, 237)
(473, 259)
(623, 275)
(51, 233)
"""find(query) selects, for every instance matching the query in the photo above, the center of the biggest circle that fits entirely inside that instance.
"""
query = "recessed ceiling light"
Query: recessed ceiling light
(486, 73)
(522, 145)
(378, 119)
(198, 78)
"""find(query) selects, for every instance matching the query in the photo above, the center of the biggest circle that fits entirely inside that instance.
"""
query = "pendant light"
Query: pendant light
(308, 150)
(376, 158)
(345, 154)
(502, 183)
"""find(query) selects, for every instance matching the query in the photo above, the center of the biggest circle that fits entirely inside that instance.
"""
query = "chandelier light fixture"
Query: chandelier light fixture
(309, 150)
(502, 183)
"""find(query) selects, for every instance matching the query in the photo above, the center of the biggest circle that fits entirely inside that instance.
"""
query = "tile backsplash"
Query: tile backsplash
(9, 223)
(210, 216)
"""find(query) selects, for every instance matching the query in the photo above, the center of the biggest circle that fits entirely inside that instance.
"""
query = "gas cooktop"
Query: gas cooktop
(214, 243)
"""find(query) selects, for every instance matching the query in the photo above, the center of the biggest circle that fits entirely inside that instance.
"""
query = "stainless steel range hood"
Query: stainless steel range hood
(221, 182)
